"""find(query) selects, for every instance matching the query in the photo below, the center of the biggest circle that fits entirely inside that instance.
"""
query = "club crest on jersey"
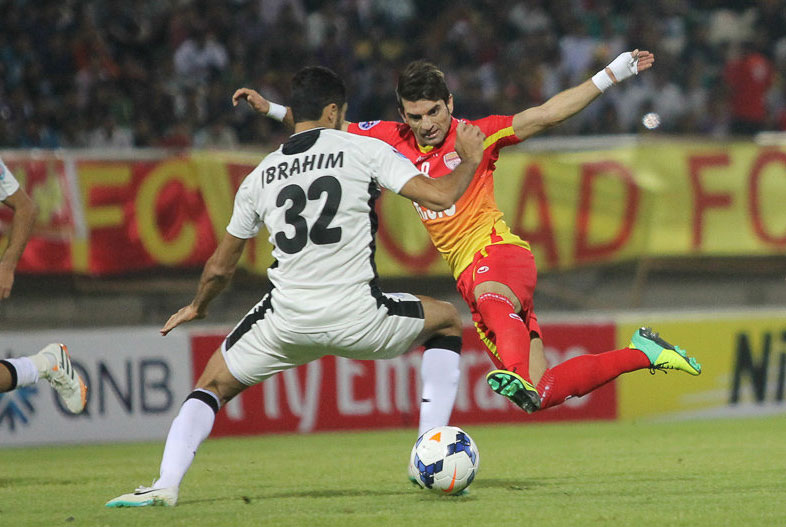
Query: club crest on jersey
(367, 125)
(452, 160)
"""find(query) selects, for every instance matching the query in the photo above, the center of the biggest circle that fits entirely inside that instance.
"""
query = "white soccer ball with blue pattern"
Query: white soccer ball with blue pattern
(445, 460)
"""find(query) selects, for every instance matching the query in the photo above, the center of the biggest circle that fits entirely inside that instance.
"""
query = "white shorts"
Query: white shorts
(260, 346)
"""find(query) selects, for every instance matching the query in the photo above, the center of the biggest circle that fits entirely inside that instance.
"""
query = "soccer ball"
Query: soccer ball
(444, 460)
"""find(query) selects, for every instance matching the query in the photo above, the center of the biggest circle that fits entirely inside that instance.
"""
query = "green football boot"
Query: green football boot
(662, 355)
(515, 388)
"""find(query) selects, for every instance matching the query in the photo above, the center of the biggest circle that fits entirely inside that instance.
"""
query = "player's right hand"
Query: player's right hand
(185, 314)
(6, 281)
(253, 98)
(469, 142)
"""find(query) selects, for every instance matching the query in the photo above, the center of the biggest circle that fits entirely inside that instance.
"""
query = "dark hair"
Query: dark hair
(313, 88)
(421, 80)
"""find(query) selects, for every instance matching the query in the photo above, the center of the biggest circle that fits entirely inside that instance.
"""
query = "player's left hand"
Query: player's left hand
(628, 64)
(646, 59)
(253, 98)
(185, 314)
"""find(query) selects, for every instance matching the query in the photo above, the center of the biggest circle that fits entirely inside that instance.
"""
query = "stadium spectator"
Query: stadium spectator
(217, 134)
(748, 75)
(149, 50)
(200, 56)
(107, 134)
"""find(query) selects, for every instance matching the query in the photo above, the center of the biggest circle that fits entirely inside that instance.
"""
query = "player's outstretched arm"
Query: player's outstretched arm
(25, 212)
(216, 275)
(441, 193)
(573, 100)
(273, 110)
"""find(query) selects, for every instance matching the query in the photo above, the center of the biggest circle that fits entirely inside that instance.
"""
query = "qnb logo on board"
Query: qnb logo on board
(17, 407)
(126, 387)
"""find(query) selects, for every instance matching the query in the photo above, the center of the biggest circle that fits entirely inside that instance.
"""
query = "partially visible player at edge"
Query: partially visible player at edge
(51, 363)
(315, 195)
(494, 268)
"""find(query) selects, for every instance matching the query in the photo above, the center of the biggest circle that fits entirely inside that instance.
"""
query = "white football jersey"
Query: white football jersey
(8, 184)
(315, 195)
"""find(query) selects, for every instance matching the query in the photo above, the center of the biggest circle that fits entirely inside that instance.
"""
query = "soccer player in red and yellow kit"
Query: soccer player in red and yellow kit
(494, 268)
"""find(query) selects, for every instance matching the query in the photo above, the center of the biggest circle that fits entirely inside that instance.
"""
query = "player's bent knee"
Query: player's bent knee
(440, 317)
(454, 319)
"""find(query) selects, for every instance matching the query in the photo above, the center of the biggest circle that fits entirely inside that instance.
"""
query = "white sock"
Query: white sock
(26, 371)
(43, 362)
(439, 372)
(191, 426)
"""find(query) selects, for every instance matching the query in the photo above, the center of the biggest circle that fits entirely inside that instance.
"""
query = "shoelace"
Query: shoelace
(60, 380)
(663, 366)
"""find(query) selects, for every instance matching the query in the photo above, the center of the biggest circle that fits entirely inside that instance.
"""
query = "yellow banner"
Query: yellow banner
(743, 358)
(575, 208)
(648, 200)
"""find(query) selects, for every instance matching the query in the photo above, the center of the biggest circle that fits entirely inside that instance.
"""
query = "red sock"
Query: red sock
(511, 335)
(580, 375)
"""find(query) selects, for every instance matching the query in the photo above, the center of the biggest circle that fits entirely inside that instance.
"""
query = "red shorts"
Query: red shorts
(508, 264)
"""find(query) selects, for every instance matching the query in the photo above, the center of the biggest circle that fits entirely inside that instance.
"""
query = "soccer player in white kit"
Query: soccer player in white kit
(315, 196)
(53, 362)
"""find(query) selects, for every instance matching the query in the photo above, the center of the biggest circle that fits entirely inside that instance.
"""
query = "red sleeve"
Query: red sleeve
(384, 130)
(498, 130)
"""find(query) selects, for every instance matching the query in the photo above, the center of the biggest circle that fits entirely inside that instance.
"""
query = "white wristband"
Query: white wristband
(277, 111)
(623, 67)
(602, 80)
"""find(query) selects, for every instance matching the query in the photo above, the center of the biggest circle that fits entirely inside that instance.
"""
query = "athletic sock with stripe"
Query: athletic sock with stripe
(439, 373)
(191, 426)
(580, 375)
(510, 333)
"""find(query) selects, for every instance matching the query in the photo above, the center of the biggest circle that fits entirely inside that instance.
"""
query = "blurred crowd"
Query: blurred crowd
(112, 73)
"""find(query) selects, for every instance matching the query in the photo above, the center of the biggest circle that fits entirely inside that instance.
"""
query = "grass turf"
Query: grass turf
(702, 473)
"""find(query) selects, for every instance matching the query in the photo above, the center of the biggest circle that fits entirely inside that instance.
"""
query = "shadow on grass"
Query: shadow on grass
(37, 481)
(507, 484)
(325, 493)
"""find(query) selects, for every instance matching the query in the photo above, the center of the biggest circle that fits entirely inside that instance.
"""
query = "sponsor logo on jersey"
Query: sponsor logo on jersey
(452, 160)
(367, 125)
(483, 269)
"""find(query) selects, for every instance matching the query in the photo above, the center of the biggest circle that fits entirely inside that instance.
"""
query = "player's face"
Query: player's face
(429, 120)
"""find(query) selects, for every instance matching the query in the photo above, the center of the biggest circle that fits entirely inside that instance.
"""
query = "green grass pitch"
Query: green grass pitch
(700, 473)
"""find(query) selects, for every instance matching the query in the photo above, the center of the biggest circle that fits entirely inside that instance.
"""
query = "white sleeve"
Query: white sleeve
(393, 168)
(245, 221)
(8, 183)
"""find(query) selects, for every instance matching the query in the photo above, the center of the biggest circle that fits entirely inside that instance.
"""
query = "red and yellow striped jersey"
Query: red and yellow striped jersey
(474, 221)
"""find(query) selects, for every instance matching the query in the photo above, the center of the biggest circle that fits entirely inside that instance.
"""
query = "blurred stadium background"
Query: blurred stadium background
(117, 116)
(109, 75)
